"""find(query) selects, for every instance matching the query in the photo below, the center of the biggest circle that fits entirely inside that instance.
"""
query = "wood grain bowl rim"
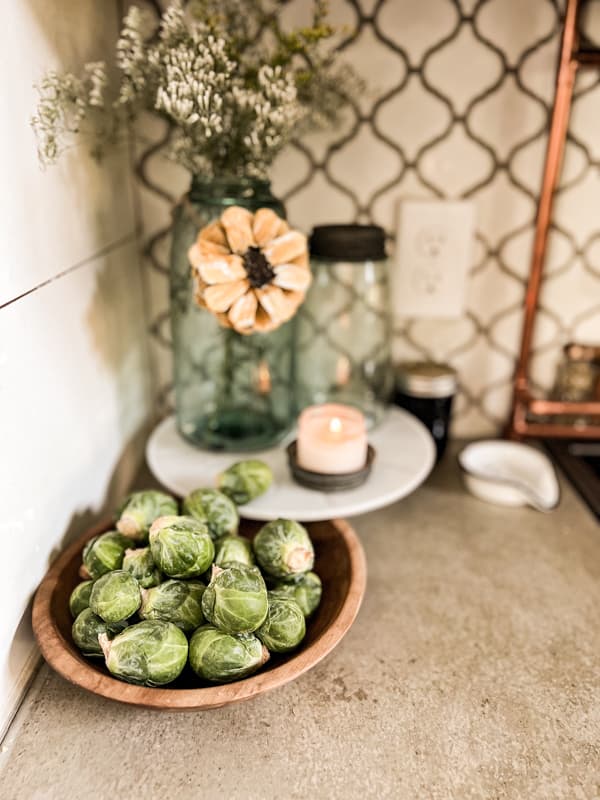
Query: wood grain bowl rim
(57, 651)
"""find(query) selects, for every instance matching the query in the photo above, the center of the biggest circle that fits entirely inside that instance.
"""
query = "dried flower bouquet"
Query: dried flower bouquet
(232, 83)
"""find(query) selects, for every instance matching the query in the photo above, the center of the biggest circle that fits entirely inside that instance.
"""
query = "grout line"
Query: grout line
(132, 236)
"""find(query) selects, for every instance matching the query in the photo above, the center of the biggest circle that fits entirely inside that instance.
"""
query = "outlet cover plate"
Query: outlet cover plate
(433, 257)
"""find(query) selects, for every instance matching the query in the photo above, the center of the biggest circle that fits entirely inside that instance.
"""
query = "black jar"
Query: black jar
(426, 389)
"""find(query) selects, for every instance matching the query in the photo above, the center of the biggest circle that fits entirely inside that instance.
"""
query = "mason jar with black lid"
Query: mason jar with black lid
(343, 352)
(426, 389)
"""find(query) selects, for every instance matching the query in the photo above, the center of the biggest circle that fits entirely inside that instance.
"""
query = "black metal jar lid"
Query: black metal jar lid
(426, 379)
(348, 242)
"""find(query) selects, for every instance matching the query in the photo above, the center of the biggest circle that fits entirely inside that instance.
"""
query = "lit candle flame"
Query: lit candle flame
(335, 425)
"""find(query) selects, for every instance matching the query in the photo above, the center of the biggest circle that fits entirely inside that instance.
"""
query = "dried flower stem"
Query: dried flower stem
(233, 100)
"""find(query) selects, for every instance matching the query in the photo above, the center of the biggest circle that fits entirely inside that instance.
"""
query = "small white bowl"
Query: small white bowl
(510, 474)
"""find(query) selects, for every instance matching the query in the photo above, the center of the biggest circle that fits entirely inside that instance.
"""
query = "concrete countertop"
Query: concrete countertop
(472, 671)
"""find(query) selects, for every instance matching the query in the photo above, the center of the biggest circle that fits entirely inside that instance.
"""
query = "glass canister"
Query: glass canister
(427, 390)
(578, 373)
(232, 392)
(344, 326)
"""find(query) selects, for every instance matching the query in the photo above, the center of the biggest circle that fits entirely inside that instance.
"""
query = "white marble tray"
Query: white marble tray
(405, 457)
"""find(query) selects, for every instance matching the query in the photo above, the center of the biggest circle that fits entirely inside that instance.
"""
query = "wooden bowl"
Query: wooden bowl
(339, 561)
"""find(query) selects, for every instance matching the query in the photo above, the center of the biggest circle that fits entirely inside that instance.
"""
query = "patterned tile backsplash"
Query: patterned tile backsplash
(457, 106)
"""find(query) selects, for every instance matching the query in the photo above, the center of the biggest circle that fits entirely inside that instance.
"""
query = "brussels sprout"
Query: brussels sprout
(115, 596)
(236, 599)
(220, 657)
(179, 602)
(139, 511)
(305, 590)
(213, 508)
(104, 553)
(86, 629)
(284, 627)
(80, 598)
(245, 481)
(140, 564)
(181, 546)
(153, 652)
(233, 548)
(283, 548)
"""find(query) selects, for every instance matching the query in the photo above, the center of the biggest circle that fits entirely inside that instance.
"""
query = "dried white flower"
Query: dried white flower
(232, 101)
(65, 102)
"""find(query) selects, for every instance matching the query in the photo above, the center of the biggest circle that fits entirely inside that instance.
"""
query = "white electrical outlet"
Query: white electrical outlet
(433, 256)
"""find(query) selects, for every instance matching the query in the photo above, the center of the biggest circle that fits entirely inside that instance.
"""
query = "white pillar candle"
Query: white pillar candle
(332, 439)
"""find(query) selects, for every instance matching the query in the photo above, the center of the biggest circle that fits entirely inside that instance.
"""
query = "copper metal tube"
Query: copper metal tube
(556, 430)
(524, 404)
(561, 407)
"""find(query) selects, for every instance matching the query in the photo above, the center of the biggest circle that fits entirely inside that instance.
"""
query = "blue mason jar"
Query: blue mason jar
(232, 392)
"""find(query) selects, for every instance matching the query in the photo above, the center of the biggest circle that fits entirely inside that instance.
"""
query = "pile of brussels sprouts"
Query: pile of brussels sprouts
(165, 588)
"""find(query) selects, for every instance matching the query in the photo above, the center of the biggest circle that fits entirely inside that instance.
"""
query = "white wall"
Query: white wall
(74, 378)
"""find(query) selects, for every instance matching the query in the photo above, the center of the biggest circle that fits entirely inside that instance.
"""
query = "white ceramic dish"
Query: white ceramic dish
(510, 474)
(404, 458)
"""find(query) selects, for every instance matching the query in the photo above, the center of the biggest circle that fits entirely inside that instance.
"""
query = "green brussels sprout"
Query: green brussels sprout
(140, 509)
(283, 548)
(181, 546)
(103, 554)
(115, 596)
(305, 589)
(235, 600)
(220, 657)
(215, 509)
(179, 602)
(153, 652)
(140, 564)
(284, 627)
(245, 480)
(86, 629)
(233, 548)
(80, 598)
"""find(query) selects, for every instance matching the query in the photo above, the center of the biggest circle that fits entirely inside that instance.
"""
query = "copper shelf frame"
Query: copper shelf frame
(524, 404)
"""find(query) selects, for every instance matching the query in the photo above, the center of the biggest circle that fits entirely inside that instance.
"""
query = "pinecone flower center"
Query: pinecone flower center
(250, 270)
(258, 268)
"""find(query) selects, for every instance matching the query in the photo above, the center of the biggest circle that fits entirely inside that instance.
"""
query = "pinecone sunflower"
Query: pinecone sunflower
(250, 270)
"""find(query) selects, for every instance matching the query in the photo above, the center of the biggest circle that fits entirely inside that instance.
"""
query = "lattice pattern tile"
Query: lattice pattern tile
(458, 103)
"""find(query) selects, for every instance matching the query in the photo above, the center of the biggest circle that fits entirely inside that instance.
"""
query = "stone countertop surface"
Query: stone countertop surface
(472, 671)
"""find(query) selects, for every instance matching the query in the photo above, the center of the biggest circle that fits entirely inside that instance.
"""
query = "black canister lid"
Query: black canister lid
(348, 242)
(426, 379)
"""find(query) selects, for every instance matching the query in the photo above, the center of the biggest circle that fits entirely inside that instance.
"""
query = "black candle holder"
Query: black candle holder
(327, 482)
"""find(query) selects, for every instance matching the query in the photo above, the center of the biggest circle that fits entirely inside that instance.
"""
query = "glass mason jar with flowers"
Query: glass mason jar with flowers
(232, 314)
(234, 86)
